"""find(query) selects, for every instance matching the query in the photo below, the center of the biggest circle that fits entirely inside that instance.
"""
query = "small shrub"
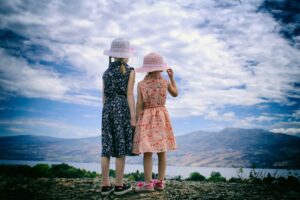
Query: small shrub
(241, 173)
(15, 170)
(137, 176)
(291, 181)
(269, 179)
(195, 176)
(216, 177)
(112, 173)
(235, 180)
(41, 170)
(130, 177)
(254, 180)
(178, 178)
(44, 170)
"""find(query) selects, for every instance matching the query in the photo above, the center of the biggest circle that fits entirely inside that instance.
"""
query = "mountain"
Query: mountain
(234, 147)
(29, 147)
(230, 147)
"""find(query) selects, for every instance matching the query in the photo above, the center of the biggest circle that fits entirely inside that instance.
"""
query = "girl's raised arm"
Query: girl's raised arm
(130, 98)
(172, 88)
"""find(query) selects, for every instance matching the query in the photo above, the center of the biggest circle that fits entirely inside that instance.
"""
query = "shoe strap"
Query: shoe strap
(120, 186)
(107, 186)
(160, 182)
(140, 184)
(149, 184)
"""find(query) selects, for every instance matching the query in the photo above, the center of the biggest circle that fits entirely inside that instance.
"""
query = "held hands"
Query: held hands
(133, 122)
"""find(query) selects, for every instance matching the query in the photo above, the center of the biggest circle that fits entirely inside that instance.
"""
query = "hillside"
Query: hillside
(227, 148)
(28, 147)
(238, 148)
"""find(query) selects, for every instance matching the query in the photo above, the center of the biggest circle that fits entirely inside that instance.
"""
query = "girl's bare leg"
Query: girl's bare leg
(162, 162)
(120, 165)
(105, 171)
(148, 167)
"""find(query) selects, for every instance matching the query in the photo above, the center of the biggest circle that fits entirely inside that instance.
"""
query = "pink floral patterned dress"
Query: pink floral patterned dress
(153, 132)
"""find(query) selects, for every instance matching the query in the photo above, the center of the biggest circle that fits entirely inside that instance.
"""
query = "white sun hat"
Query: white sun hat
(120, 48)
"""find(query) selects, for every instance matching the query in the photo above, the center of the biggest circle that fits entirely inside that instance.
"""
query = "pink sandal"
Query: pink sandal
(159, 185)
(143, 187)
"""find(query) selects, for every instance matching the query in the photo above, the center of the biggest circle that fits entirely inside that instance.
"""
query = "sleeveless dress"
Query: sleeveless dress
(153, 132)
(117, 134)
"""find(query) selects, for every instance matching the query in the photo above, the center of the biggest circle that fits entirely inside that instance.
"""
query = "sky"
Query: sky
(236, 62)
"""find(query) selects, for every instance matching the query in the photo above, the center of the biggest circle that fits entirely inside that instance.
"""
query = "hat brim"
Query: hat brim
(152, 69)
(118, 54)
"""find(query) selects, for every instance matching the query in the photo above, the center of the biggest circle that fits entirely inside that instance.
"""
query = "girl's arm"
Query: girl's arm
(103, 96)
(130, 98)
(172, 88)
(139, 103)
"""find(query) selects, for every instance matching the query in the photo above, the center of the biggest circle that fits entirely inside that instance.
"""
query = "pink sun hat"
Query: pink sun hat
(120, 48)
(152, 62)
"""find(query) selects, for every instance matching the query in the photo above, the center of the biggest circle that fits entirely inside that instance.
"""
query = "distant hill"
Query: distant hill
(29, 147)
(238, 148)
(230, 147)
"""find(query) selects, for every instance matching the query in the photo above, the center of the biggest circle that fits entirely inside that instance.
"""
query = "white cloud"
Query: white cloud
(289, 127)
(89, 116)
(17, 130)
(34, 81)
(214, 115)
(222, 52)
(17, 76)
(290, 131)
(296, 114)
(40, 126)
(252, 121)
(289, 124)
(261, 118)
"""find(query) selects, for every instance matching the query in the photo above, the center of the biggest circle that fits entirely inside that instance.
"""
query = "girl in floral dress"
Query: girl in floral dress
(154, 133)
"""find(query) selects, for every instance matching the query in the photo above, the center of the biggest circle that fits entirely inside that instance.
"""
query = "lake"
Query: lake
(172, 171)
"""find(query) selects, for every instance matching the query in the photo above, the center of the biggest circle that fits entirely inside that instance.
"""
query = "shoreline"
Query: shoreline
(172, 171)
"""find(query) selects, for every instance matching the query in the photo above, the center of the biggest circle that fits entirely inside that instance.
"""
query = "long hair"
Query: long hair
(122, 67)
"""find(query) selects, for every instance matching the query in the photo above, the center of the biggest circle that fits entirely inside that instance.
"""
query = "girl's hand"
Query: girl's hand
(170, 73)
(172, 88)
(133, 122)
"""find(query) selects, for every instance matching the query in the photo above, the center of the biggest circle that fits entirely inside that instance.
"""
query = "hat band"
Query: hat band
(120, 49)
(151, 69)
(155, 65)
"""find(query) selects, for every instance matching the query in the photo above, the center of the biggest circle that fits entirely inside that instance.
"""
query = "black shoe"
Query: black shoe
(106, 190)
(120, 190)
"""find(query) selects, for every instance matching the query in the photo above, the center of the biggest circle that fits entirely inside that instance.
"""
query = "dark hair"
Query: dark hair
(122, 67)
(109, 60)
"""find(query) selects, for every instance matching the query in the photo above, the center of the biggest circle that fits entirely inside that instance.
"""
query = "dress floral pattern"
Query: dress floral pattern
(154, 131)
(117, 134)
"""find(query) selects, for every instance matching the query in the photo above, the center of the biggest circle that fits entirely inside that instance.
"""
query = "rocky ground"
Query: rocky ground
(89, 188)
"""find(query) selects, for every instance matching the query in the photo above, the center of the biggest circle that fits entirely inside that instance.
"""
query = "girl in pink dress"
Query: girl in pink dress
(154, 133)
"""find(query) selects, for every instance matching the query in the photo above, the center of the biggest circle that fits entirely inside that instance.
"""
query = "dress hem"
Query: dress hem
(155, 151)
(115, 156)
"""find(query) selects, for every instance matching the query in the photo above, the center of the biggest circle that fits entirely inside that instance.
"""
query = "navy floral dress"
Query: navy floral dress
(117, 134)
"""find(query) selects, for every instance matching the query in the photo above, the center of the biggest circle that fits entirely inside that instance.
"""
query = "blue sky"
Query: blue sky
(237, 63)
